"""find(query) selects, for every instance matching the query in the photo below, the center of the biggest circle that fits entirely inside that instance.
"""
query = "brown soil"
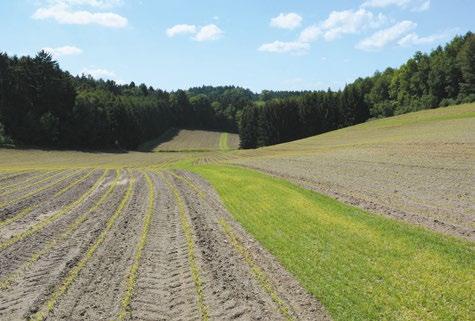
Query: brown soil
(165, 288)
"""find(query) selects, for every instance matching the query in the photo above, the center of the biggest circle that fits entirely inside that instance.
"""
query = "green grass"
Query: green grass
(360, 266)
(223, 141)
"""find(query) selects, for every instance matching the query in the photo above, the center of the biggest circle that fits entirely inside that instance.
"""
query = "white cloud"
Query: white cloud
(424, 6)
(294, 47)
(63, 12)
(99, 73)
(310, 34)
(414, 39)
(413, 5)
(91, 3)
(350, 22)
(63, 51)
(383, 37)
(208, 32)
(181, 29)
(286, 21)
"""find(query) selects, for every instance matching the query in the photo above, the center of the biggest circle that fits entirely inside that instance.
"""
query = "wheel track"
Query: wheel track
(132, 275)
(96, 294)
(18, 180)
(82, 261)
(50, 219)
(69, 231)
(35, 193)
(165, 287)
(286, 299)
(25, 211)
(20, 258)
(192, 254)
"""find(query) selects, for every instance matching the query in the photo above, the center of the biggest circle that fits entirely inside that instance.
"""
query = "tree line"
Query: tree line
(42, 105)
(445, 76)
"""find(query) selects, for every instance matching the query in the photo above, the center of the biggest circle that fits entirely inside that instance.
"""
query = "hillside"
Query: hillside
(418, 167)
(117, 220)
(192, 140)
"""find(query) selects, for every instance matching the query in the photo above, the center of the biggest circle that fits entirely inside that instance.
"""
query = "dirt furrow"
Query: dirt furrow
(20, 247)
(165, 288)
(15, 203)
(29, 210)
(242, 280)
(18, 191)
(9, 180)
(96, 291)
(34, 217)
(75, 234)
(31, 277)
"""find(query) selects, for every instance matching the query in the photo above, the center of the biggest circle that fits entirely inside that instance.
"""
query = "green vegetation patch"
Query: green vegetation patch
(360, 266)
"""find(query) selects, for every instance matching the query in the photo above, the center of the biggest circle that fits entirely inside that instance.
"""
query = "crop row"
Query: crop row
(25, 211)
(70, 278)
(45, 222)
(6, 281)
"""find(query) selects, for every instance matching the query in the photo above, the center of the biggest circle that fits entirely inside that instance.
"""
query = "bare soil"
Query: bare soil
(35, 267)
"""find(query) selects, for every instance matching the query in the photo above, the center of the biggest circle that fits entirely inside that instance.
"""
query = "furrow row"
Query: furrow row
(48, 220)
(73, 273)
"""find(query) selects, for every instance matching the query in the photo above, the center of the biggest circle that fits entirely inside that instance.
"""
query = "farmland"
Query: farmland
(191, 236)
(417, 167)
(192, 140)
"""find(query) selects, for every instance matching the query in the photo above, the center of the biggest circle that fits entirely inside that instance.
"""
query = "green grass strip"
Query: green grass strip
(132, 275)
(187, 230)
(257, 272)
(42, 224)
(25, 211)
(74, 272)
(223, 141)
(361, 266)
(7, 281)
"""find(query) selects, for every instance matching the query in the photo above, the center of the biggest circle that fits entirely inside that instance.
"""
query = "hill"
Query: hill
(418, 167)
(192, 140)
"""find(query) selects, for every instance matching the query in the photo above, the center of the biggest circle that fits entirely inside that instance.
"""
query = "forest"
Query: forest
(42, 105)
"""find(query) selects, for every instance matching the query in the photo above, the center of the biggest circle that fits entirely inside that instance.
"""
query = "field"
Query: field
(191, 236)
(192, 140)
(416, 167)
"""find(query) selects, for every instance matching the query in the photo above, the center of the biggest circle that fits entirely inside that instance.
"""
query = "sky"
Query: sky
(257, 44)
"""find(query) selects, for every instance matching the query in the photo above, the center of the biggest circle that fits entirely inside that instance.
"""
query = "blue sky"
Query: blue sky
(258, 44)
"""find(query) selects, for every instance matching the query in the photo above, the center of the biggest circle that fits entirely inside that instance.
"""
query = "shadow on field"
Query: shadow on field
(154, 143)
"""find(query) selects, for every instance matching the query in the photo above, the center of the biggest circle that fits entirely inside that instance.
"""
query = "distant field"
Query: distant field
(192, 140)
(419, 167)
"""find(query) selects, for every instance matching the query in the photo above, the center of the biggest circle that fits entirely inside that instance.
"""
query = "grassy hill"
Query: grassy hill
(418, 167)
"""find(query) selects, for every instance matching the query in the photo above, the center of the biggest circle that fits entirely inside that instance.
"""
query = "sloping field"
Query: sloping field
(418, 167)
(144, 236)
(359, 265)
(120, 244)
(192, 140)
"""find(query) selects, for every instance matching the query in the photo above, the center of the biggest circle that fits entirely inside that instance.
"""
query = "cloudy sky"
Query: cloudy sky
(265, 44)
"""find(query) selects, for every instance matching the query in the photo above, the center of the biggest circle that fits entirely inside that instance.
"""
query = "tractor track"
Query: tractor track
(144, 245)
